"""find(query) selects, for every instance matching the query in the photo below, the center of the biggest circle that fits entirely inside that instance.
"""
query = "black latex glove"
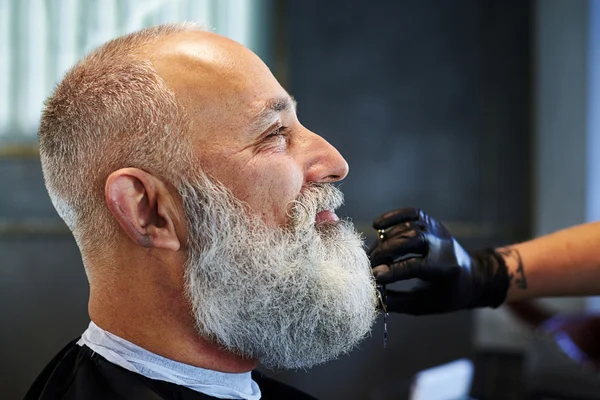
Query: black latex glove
(417, 246)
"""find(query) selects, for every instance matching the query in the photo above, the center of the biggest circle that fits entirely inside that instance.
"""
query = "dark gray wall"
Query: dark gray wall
(43, 289)
(429, 102)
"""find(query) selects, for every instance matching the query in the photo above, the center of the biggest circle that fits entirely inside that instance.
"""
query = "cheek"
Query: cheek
(266, 182)
(268, 189)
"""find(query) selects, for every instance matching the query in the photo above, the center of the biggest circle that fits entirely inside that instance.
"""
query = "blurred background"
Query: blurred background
(485, 113)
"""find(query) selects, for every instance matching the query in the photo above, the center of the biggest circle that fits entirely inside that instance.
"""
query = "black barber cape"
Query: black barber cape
(78, 373)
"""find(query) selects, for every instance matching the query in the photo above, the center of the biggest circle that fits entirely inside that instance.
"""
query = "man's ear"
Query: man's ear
(143, 206)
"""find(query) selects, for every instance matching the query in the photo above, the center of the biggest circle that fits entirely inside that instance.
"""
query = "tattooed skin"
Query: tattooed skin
(518, 276)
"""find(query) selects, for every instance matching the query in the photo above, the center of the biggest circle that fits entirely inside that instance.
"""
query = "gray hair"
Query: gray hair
(110, 111)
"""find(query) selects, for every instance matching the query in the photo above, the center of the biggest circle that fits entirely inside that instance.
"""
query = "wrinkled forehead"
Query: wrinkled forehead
(215, 78)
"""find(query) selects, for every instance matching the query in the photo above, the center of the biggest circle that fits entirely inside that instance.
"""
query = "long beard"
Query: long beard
(289, 297)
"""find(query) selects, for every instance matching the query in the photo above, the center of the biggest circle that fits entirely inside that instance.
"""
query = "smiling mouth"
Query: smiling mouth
(326, 216)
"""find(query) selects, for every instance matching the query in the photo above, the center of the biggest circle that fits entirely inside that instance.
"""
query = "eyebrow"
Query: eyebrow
(271, 108)
(280, 104)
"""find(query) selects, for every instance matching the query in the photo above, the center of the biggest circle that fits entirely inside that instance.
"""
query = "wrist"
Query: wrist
(491, 278)
(519, 283)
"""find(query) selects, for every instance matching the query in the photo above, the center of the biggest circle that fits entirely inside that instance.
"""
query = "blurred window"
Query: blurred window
(41, 39)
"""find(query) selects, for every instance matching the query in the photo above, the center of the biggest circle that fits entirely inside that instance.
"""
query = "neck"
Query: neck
(151, 314)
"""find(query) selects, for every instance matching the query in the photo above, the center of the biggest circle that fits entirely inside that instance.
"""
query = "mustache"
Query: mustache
(315, 197)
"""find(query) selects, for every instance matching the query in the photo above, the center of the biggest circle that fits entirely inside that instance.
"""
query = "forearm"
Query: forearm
(565, 263)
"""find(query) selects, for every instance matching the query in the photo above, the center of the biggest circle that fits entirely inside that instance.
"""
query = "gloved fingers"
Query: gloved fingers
(406, 269)
(404, 227)
(398, 230)
(413, 266)
(396, 217)
(390, 250)
(414, 302)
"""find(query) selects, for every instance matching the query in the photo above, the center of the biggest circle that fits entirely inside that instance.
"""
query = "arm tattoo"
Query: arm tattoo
(519, 280)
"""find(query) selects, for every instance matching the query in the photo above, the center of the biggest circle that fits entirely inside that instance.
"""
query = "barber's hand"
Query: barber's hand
(415, 245)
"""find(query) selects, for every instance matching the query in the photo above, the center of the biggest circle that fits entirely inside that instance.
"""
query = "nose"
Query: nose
(324, 163)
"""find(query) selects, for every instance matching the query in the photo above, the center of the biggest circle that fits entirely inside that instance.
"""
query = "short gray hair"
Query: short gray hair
(110, 111)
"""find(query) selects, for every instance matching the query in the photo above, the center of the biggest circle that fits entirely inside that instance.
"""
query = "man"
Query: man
(204, 212)
(414, 245)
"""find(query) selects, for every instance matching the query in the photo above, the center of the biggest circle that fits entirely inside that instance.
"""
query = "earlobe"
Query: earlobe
(141, 205)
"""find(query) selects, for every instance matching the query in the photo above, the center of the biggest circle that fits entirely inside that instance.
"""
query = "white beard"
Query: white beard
(291, 297)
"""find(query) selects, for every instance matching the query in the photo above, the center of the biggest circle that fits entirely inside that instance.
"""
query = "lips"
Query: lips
(326, 216)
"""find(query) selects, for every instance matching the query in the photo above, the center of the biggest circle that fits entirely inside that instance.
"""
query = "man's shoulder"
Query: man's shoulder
(55, 379)
(76, 373)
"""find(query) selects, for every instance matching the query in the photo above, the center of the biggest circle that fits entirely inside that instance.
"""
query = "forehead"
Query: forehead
(216, 79)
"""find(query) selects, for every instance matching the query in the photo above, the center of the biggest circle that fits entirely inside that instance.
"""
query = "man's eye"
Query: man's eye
(277, 132)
